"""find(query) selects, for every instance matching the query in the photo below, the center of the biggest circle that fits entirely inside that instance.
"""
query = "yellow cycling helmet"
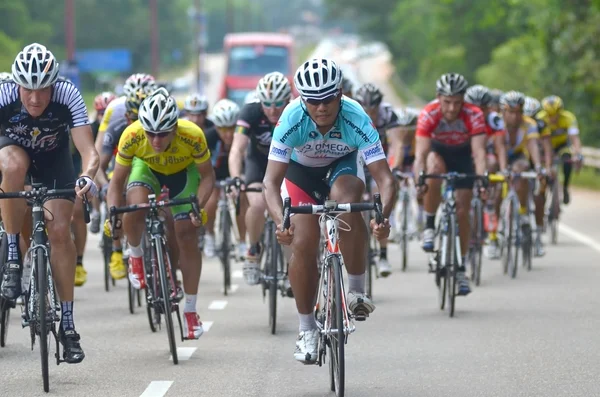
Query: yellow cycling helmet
(552, 104)
(132, 104)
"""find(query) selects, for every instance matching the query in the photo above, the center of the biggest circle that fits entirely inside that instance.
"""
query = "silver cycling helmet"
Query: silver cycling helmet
(273, 87)
(35, 67)
(318, 79)
(225, 113)
(195, 103)
(158, 112)
(451, 84)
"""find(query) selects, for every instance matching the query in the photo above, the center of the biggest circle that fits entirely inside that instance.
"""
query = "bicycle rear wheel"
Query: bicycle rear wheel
(106, 254)
(554, 213)
(41, 316)
(451, 265)
(476, 253)
(337, 340)
(518, 236)
(404, 235)
(507, 228)
(166, 300)
(274, 257)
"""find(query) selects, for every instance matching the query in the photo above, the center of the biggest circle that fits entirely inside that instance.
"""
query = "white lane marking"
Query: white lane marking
(184, 353)
(582, 238)
(217, 305)
(237, 274)
(157, 388)
(206, 325)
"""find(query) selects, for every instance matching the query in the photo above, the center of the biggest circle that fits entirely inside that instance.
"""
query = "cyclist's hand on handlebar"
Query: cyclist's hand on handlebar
(199, 221)
(286, 236)
(380, 231)
(85, 184)
(109, 231)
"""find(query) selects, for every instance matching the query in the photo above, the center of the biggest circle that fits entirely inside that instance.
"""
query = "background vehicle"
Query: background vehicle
(249, 56)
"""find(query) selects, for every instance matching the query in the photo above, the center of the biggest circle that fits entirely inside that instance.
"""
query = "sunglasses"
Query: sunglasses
(159, 135)
(324, 101)
(277, 104)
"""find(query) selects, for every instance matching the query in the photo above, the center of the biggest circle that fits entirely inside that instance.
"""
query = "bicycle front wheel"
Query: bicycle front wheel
(274, 258)
(337, 338)
(404, 235)
(166, 300)
(451, 266)
(224, 250)
(4, 321)
(41, 263)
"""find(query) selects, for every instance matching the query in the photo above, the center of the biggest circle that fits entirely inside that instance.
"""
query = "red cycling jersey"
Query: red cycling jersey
(431, 124)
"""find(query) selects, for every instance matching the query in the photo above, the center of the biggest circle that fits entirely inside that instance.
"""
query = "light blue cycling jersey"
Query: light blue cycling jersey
(296, 136)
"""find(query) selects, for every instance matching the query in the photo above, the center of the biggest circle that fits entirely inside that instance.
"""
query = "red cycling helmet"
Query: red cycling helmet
(102, 100)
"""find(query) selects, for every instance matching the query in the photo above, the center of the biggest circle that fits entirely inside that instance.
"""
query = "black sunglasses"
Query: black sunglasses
(324, 101)
(158, 134)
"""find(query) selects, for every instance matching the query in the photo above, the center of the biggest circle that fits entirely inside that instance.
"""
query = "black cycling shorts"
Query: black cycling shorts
(53, 169)
(255, 169)
(457, 160)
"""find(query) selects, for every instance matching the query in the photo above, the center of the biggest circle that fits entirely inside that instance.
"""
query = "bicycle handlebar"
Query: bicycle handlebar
(156, 204)
(402, 175)
(331, 207)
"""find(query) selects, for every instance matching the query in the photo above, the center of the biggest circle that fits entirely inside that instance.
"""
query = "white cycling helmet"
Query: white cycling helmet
(451, 84)
(318, 79)
(407, 117)
(225, 113)
(35, 67)
(273, 87)
(531, 107)
(195, 103)
(251, 97)
(5, 76)
(158, 112)
(139, 82)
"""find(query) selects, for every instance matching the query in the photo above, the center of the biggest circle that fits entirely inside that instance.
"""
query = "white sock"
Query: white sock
(307, 322)
(190, 303)
(356, 283)
(136, 252)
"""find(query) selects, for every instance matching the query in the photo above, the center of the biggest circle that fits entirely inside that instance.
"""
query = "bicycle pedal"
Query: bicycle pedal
(361, 315)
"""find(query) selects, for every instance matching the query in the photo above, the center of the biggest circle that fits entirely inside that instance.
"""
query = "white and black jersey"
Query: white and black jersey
(51, 130)
(386, 120)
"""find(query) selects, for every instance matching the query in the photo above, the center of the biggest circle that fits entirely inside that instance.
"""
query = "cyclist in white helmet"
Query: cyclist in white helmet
(251, 97)
(196, 109)
(318, 150)
(251, 142)
(224, 115)
(38, 111)
(4, 76)
(144, 162)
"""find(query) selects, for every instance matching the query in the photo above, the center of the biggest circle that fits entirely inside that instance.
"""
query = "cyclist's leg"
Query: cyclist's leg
(141, 183)
(382, 264)
(14, 162)
(56, 170)
(522, 186)
(190, 258)
(565, 157)
(303, 270)
(433, 196)
(255, 218)
(347, 185)
(79, 229)
(211, 212)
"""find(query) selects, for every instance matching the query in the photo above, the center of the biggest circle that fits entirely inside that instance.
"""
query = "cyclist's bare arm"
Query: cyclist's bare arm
(117, 185)
(386, 183)
(104, 162)
(207, 182)
(272, 189)
(397, 135)
(500, 148)
(576, 143)
(83, 139)
(533, 148)
(548, 151)
(237, 153)
(478, 149)
(423, 146)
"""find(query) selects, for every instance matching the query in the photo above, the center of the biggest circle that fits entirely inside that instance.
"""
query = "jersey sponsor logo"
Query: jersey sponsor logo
(108, 140)
(335, 135)
(373, 152)
(289, 132)
(134, 140)
(278, 153)
(313, 134)
(45, 143)
(358, 130)
(18, 117)
(325, 148)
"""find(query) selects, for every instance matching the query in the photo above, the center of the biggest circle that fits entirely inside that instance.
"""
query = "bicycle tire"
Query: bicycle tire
(554, 214)
(224, 250)
(507, 229)
(42, 311)
(440, 271)
(476, 251)
(370, 257)
(106, 253)
(4, 321)
(272, 272)
(452, 267)
(337, 369)
(404, 236)
(518, 237)
(131, 296)
(149, 282)
(166, 300)
(527, 248)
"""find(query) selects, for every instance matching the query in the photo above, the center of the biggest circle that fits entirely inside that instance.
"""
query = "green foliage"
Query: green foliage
(540, 47)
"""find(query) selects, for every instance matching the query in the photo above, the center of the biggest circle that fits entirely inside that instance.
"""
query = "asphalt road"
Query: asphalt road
(532, 336)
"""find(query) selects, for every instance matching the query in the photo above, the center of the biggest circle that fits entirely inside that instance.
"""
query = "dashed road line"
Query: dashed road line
(582, 238)
(237, 274)
(217, 305)
(184, 353)
(157, 388)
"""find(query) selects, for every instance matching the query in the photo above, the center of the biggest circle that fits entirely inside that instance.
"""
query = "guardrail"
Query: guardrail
(591, 157)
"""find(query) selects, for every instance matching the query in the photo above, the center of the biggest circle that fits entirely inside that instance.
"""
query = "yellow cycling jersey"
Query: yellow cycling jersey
(526, 131)
(189, 145)
(565, 125)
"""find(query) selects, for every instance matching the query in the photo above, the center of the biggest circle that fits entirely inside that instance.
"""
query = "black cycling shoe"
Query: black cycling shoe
(72, 351)
(11, 280)
(566, 196)
(95, 224)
